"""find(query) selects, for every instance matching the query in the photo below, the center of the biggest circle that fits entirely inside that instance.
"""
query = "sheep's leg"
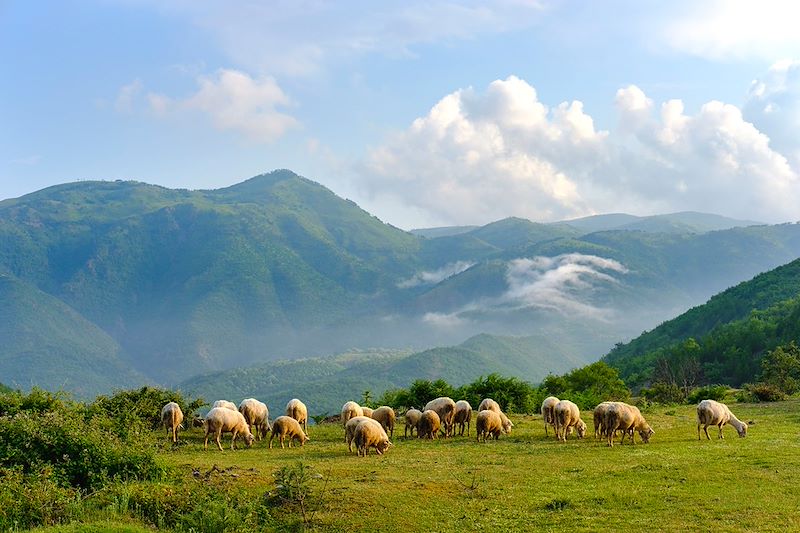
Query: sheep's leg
(698, 431)
(218, 435)
(205, 444)
(720, 431)
(624, 432)
(705, 428)
(281, 439)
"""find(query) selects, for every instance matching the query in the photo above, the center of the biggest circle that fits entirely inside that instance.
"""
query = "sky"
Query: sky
(424, 113)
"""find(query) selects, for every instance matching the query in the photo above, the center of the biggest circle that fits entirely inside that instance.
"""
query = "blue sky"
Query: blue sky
(423, 113)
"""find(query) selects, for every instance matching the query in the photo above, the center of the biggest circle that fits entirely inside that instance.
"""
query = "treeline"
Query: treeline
(738, 354)
(586, 386)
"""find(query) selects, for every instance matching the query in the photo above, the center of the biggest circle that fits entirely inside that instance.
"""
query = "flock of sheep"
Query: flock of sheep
(368, 428)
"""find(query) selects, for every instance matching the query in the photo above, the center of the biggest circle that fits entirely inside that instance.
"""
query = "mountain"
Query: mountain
(733, 329)
(684, 222)
(48, 344)
(177, 283)
(325, 383)
(444, 231)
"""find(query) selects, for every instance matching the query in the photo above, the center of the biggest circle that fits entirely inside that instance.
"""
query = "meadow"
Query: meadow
(522, 482)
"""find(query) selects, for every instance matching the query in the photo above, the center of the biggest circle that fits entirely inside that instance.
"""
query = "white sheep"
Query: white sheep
(221, 420)
(298, 410)
(428, 425)
(226, 404)
(712, 413)
(488, 422)
(446, 409)
(411, 418)
(350, 410)
(286, 426)
(350, 429)
(463, 416)
(172, 417)
(386, 416)
(257, 415)
(547, 412)
(599, 415)
(367, 411)
(626, 418)
(567, 415)
(487, 404)
(368, 435)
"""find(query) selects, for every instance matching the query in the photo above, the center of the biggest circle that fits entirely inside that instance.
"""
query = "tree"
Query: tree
(781, 368)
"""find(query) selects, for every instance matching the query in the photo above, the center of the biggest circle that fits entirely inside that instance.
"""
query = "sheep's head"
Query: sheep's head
(383, 445)
(306, 438)
(507, 425)
(742, 430)
(248, 439)
(581, 429)
(646, 433)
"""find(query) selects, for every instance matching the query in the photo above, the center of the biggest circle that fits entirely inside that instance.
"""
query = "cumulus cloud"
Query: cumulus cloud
(235, 101)
(773, 105)
(734, 29)
(480, 157)
(126, 96)
(435, 276)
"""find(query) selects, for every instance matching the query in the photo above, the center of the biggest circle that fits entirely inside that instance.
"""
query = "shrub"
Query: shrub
(586, 386)
(709, 392)
(781, 368)
(36, 401)
(664, 393)
(760, 392)
(128, 408)
(513, 394)
(34, 499)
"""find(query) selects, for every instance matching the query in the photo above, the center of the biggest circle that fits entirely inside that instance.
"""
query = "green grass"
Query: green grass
(526, 481)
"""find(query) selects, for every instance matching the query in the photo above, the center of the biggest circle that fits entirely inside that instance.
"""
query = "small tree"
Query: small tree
(781, 368)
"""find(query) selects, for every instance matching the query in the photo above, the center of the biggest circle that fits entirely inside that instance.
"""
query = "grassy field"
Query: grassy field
(526, 481)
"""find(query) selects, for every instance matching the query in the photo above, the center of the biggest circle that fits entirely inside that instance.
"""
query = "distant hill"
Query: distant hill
(733, 329)
(685, 222)
(325, 384)
(444, 231)
(48, 344)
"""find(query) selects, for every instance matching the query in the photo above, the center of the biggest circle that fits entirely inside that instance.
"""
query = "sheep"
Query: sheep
(547, 412)
(349, 410)
(488, 423)
(487, 404)
(711, 413)
(599, 414)
(367, 411)
(446, 409)
(286, 426)
(298, 410)
(626, 418)
(369, 435)
(411, 417)
(350, 429)
(567, 415)
(226, 404)
(198, 422)
(222, 419)
(428, 425)
(257, 415)
(463, 416)
(386, 416)
(172, 417)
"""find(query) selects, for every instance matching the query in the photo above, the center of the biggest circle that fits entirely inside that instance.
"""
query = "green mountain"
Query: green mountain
(684, 222)
(48, 344)
(732, 330)
(325, 384)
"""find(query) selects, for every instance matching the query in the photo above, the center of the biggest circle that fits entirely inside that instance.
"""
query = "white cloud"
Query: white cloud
(734, 29)
(127, 95)
(477, 157)
(235, 101)
(435, 276)
(444, 320)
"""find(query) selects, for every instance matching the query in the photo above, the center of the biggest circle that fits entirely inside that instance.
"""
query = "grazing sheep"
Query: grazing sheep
(488, 423)
(286, 426)
(599, 415)
(350, 429)
(446, 409)
(298, 410)
(368, 435)
(463, 416)
(367, 411)
(428, 425)
(711, 413)
(222, 420)
(350, 410)
(387, 417)
(547, 412)
(411, 417)
(567, 415)
(257, 415)
(198, 422)
(507, 424)
(626, 418)
(172, 417)
(487, 404)
(226, 404)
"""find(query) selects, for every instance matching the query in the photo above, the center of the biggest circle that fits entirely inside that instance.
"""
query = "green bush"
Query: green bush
(36, 401)
(130, 407)
(586, 386)
(664, 393)
(760, 392)
(513, 394)
(780, 368)
(709, 392)
(34, 499)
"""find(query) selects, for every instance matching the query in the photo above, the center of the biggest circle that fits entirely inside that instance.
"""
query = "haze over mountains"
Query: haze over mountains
(111, 284)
